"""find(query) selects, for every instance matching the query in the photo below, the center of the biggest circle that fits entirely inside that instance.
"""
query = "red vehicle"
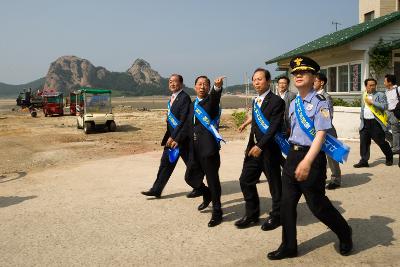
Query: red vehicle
(53, 104)
(74, 101)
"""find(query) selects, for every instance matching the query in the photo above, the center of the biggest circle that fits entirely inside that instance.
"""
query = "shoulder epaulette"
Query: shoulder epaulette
(320, 97)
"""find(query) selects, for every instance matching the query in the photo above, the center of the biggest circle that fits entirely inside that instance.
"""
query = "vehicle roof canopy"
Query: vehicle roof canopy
(52, 95)
(94, 90)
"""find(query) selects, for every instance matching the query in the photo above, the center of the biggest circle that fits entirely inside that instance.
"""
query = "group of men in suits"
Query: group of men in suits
(273, 121)
(192, 130)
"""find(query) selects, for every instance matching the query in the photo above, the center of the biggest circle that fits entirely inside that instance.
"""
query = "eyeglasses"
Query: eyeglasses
(301, 72)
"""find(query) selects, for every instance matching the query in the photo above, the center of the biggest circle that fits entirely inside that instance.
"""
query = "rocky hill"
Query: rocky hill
(70, 72)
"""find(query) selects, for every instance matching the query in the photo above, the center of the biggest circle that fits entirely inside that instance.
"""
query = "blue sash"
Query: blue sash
(263, 125)
(204, 118)
(173, 153)
(332, 147)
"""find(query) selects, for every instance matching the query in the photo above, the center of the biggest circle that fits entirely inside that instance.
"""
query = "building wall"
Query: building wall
(380, 8)
(390, 32)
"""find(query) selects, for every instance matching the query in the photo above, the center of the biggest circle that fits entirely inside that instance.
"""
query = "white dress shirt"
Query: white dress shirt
(367, 112)
(259, 99)
(392, 97)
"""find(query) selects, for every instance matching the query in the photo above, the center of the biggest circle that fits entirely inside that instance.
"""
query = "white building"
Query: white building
(344, 56)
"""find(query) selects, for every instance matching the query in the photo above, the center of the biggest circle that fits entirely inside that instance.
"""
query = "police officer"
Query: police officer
(305, 170)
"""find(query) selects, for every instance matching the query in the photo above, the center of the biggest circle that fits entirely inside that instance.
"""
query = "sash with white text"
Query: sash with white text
(335, 149)
(204, 118)
(263, 125)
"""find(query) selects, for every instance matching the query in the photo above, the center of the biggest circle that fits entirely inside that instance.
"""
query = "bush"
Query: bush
(340, 102)
(356, 103)
(239, 117)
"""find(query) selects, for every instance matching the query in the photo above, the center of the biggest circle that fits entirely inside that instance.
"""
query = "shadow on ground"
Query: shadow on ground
(127, 128)
(11, 177)
(355, 179)
(13, 200)
(367, 234)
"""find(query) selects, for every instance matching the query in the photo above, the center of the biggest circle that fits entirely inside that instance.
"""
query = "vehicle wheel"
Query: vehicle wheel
(33, 114)
(111, 126)
(87, 127)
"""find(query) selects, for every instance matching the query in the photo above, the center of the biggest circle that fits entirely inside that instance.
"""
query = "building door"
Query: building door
(396, 64)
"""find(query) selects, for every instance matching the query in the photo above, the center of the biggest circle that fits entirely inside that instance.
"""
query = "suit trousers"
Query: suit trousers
(373, 130)
(336, 176)
(208, 166)
(314, 192)
(251, 172)
(394, 124)
(166, 168)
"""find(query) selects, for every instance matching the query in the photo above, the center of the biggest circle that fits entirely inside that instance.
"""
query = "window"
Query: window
(355, 77)
(369, 16)
(331, 79)
(343, 78)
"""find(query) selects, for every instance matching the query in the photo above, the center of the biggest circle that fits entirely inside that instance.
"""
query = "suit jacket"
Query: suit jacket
(331, 131)
(273, 108)
(289, 97)
(208, 144)
(180, 109)
(379, 101)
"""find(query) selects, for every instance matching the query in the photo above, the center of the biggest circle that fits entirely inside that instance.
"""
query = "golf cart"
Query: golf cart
(73, 100)
(95, 110)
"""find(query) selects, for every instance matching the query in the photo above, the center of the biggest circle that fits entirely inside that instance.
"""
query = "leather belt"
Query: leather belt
(299, 148)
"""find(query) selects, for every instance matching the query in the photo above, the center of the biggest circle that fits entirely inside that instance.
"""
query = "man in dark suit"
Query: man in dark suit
(336, 176)
(287, 96)
(262, 155)
(204, 155)
(179, 107)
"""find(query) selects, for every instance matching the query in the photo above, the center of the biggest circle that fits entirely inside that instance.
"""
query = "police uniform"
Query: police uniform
(313, 188)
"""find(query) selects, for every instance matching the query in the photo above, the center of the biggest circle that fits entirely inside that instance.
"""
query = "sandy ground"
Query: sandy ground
(30, 144)
(67, 199)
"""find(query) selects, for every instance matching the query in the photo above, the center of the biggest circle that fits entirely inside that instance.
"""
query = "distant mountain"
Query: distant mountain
(9, 90)
(68, 73)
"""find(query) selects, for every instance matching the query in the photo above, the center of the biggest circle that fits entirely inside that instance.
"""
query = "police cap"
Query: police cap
(302, 63)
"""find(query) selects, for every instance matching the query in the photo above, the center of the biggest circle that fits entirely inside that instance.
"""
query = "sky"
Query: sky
(190, 37)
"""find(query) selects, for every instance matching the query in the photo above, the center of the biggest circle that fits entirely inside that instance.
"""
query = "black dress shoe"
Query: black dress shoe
(270, 224)
(361, 165)
(204, 205)
(194, 193)
(282, 253)
(332, 186)
(346, 247)
(246, 221)
(151, 193)
(216, 218)
(389, 162)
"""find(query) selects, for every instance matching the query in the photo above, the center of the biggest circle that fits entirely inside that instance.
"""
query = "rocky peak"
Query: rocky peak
(70, 72)
(142, 73)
